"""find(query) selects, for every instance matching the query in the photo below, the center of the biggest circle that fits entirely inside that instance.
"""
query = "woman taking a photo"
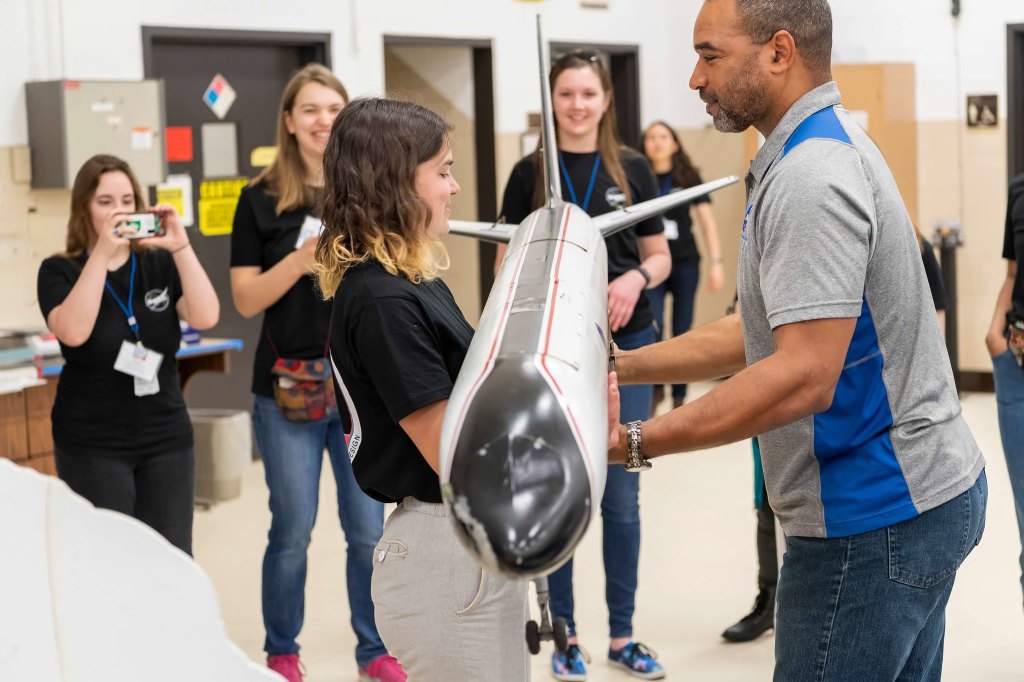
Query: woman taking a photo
(398, 341)
(599, 175)
(294, 414)
(122, 436)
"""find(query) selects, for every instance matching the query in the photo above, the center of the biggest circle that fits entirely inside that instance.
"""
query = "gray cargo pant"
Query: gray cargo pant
(438, 612)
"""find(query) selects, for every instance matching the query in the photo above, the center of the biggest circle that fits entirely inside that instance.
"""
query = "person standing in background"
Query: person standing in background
(1005, 342)
(121, 432)
(272, 260)
(600, 175)
(674, 170)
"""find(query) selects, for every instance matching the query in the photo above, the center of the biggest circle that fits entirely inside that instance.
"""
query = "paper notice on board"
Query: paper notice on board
(217, 202)
(177, 191)
(142, 139)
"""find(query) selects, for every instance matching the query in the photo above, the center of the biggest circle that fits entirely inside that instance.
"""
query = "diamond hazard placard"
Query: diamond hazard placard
(219, 96)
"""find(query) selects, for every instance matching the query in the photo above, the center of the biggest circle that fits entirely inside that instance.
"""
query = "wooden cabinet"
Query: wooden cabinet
(25, 432)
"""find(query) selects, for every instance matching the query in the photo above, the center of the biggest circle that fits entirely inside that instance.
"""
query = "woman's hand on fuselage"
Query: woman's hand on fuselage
(613, 410)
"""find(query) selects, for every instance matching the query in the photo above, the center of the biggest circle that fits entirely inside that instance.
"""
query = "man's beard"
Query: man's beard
(747, 101)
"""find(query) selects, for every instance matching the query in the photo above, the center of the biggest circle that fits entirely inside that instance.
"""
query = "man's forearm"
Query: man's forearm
(760, 398)
(712, 351)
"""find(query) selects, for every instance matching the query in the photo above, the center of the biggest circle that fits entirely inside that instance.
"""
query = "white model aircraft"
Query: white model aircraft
(524, 442)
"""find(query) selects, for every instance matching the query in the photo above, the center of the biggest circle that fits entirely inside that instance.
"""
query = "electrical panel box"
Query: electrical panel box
(71, 121)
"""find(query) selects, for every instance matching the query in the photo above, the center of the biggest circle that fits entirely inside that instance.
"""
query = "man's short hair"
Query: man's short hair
(808, 21)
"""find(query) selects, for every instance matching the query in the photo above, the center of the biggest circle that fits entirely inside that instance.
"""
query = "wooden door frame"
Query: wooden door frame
(319, 44)
(1015, 99)
(485, 141)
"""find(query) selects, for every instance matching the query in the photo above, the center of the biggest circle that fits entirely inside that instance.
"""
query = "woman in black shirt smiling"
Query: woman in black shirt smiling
(398, 341)
(122, 436)
(275, 229)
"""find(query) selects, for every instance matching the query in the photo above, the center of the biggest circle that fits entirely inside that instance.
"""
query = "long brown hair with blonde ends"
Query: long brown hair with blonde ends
(80, 228)
(369, 205)
(608, 142)
(285, 178)
(684, 173)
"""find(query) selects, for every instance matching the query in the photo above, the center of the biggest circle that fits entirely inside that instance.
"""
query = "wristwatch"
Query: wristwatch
(635, 460)
(646, 275)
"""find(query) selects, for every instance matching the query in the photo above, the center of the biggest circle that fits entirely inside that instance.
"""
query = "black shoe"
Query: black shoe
(758, 621)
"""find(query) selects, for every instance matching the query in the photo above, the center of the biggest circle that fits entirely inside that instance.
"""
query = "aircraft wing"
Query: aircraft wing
(616, 221)
(499, 233)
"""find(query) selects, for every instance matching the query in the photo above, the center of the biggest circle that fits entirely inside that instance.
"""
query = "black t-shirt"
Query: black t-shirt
(299, 320)
(398, 347)
(1013, 244)
(683, 246)
(96, 411)
(934, 274)
(623, 251)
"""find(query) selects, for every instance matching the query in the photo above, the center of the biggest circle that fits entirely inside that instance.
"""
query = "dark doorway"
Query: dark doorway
(257, 65)
(624, 66)
(484, 138)
(1015, 98)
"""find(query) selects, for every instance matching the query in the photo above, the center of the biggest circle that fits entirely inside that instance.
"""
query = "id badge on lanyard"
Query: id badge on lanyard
(134, 359)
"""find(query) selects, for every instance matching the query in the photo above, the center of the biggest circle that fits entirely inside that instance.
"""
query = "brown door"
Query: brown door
(257, 65)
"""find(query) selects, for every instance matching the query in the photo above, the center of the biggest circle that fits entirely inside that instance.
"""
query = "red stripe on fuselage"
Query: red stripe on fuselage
(547, 338)
(499, 332)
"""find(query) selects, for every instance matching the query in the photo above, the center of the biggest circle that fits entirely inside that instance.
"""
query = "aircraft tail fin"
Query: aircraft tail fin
(549, 146)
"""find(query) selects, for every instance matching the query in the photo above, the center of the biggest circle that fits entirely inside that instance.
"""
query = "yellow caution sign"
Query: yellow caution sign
(175, 196)
(217, 202)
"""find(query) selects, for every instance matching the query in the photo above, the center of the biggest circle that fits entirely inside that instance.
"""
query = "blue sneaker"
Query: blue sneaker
(569, 667)
(639, 660)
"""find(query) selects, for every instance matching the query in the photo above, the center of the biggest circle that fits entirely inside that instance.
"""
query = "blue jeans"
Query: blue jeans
(873, 606)
(1009, 379)
(620, 515)
(682, 284)
(292, 455)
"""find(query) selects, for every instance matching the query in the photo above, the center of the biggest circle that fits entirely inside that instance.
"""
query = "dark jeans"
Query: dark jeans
(1009, 380)
(682, 284)
(158, 490)
(620, 516)
(873, 606)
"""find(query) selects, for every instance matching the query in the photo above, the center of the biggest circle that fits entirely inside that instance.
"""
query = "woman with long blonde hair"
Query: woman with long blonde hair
(294, 413)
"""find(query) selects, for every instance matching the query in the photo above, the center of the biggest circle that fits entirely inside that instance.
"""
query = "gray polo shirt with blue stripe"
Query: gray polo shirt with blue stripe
(826, 235)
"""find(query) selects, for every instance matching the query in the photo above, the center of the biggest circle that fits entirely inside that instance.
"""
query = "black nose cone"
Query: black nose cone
(518, 488)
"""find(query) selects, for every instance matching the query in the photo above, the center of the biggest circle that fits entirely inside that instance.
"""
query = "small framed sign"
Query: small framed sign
(982, 111)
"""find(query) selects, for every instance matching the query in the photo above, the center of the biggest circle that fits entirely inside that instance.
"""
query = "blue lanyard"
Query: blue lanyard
(568, 181)
(666, 185)
(127, 309)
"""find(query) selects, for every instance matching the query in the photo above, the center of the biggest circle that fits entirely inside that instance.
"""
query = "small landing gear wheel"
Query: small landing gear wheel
(533, 637)
(561, 634)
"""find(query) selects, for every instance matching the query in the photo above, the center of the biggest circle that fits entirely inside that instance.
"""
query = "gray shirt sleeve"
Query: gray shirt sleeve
(815, 234)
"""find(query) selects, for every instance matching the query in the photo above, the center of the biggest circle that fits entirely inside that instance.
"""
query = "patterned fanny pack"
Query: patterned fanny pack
(303, 389)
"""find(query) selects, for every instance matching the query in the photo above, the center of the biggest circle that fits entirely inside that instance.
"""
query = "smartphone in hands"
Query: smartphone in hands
(148, 224)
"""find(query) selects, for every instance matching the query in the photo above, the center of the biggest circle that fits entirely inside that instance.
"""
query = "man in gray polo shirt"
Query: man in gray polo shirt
(839, 367)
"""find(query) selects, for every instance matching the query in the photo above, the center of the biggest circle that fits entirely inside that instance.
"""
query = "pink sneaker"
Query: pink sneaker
(287, 666)
(382, 669)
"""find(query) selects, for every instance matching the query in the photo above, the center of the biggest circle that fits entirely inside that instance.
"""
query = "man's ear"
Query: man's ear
(783, 50)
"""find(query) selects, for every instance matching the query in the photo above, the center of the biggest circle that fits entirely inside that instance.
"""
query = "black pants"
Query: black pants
(767, 556)
(158, 490)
